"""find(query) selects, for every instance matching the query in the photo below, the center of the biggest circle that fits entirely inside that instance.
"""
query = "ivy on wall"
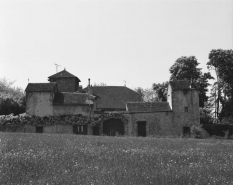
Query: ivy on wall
(24, 119)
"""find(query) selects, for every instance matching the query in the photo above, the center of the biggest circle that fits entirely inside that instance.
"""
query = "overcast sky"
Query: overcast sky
(109, 41)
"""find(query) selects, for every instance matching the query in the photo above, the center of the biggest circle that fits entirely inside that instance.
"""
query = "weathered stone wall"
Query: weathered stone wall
(66, 84)
(157, 123)
(70, 110)
(39, 103)
(182, 99)
(68, 129)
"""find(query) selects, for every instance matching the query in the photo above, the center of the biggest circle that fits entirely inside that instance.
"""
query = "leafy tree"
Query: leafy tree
(186, 68)
(161, 90)
(221, 61)
(12, 100)
(148, 95)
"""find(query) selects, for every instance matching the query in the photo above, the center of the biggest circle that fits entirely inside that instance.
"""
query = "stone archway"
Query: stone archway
(113, 127)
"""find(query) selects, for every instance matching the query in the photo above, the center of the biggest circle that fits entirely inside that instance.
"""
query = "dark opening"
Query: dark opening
(39, 129)
(96, 131)
(185, 92)
(113, 127)
(186, 109)
(186, 131)
(80, 129)
(142, 128)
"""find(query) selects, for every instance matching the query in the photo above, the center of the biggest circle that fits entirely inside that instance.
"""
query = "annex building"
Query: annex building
(109, 110)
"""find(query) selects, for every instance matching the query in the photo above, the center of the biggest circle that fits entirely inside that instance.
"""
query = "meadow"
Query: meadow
(74, 159)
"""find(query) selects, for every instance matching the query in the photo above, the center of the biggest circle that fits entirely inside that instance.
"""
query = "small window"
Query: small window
(186, 109)
(80, 129)
(39, 129)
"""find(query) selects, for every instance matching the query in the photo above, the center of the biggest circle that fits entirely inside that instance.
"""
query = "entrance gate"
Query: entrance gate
(113, 127)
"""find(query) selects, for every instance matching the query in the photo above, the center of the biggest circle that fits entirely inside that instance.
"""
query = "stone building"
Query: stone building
(111, 110)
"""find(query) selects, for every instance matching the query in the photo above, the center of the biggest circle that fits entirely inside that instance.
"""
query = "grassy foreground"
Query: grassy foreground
(71, 159)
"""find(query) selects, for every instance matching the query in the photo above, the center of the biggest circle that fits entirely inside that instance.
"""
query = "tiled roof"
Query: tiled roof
(148, 107)
(114, 97)
(40, 87)
(180, 84)
(72, 98)
(63, 74)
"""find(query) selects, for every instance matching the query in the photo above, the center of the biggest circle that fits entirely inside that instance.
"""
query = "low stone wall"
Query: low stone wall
(54, 124)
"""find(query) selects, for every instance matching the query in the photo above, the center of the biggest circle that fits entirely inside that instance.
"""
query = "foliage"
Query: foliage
(206, 115)
(161, 90)
(71, 159)
(24, 119)
(148, 94)
(12, 100)
(222, 62)
(197, 131)
(186, 68)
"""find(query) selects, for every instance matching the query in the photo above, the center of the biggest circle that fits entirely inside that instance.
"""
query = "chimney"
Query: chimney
(89, 87)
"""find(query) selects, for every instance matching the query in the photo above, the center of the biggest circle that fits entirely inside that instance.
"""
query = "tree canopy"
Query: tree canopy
(221, 61)
(12, 100)
(186, 68)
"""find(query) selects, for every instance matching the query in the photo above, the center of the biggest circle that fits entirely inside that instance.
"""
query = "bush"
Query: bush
(197, 132)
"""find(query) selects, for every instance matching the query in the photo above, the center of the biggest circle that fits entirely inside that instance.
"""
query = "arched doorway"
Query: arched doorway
(113, 127)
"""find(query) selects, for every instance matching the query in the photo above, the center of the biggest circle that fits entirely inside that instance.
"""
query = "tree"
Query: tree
(161, 90)
(221, 61)
(148, 95)
(12, 100)
(186, 68)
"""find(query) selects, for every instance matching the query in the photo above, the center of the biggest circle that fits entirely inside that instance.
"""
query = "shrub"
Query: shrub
(197, 132)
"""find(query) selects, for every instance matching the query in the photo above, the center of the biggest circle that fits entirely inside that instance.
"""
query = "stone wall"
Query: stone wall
(66, 84)
(39, 103)
(182, 99)
(68, 129)
(157, 123)
(70, 110)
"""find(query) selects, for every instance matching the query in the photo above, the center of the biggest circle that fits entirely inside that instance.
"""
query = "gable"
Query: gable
(63, 74)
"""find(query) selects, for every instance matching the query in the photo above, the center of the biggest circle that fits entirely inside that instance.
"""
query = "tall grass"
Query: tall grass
(72, 159)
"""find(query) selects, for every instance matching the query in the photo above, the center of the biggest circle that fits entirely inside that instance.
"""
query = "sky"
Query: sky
(110, 41)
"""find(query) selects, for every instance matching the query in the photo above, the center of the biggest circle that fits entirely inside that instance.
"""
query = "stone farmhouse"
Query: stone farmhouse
(110, 110)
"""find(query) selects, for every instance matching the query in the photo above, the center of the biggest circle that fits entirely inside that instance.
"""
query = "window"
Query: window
(80, 129)
(186, 109)
(39, 129)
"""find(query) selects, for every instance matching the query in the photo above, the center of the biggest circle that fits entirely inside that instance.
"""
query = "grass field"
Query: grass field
(71, 159)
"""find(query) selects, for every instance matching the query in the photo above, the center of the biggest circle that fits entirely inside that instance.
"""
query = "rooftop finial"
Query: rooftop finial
(64, 69)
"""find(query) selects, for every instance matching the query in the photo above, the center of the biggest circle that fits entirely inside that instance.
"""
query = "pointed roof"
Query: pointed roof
(63, 74)
(180, 84)
(40, 87)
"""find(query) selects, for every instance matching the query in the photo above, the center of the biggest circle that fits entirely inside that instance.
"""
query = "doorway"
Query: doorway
(113, 127)
(142, 128)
